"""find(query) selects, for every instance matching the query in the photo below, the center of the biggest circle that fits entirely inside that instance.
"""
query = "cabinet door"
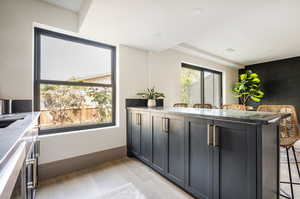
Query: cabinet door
(135, 133)
(198, 157)
(234, 161)
(146, 137)
(176, 149)
(159, 144)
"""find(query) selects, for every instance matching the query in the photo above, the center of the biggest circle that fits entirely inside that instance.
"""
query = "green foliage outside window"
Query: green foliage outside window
(57, 99)
(188, 77)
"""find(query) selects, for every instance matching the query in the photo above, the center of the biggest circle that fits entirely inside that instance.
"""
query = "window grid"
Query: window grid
(38, 81)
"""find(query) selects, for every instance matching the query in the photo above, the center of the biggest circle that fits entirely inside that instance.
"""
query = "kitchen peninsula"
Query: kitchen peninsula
(210, 153)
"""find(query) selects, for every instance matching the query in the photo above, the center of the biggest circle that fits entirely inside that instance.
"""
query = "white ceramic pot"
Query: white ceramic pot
(151, 103)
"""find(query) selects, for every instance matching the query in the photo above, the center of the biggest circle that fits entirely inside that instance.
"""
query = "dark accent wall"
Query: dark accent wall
(280, 81)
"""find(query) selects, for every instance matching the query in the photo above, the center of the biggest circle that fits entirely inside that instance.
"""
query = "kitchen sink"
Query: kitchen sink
(6, 120)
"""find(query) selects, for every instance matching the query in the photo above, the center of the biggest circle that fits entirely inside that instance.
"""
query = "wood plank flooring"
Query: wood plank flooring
(125, 179)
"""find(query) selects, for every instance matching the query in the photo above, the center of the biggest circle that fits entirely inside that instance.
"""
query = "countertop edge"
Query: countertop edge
(34, 117)
(265, 121)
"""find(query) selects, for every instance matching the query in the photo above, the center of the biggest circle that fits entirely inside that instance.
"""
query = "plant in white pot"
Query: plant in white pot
(151, 95)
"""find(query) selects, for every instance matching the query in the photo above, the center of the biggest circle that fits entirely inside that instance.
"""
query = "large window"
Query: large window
(201, 86)
(74, 85)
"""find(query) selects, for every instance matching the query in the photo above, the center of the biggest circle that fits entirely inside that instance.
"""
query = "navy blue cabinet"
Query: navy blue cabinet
(175, 159)
(234, 161)
(159, 142)
(199, 157)
(209, 158)
(140, 137)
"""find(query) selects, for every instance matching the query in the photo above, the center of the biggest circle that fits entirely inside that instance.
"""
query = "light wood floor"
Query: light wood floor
(124, 179)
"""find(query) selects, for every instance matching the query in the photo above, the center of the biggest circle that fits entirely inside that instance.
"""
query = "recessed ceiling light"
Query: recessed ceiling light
(230, 50)
(197, 11)
(158, 34)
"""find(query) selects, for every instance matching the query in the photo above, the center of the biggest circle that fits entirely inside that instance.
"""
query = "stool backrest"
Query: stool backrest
(208, 106)
(234, 107)
(180, 105)
(288, 127)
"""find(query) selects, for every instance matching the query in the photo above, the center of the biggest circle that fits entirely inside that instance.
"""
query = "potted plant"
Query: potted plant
(248, 88)
(151, 95)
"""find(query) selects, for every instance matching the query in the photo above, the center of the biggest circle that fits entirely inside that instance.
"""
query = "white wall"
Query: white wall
(137, 69)
(165, 70)
(16, 19)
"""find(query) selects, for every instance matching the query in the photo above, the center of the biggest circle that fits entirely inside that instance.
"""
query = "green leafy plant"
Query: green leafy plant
(150, 93)
(187, 79)
(103, 99)
(248, 87)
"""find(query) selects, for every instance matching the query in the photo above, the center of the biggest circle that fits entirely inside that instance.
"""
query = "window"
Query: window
(74, 82)
(201, 86)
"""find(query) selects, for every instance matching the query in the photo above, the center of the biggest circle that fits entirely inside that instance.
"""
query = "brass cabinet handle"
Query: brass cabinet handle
(216, 141)
(209, 135)
(138, 118)
(167, 125)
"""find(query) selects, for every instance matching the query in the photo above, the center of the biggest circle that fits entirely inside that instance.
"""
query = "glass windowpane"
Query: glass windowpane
(64, 106)
(217, 90)
(208, 88)
(190, 86)
(64, 60)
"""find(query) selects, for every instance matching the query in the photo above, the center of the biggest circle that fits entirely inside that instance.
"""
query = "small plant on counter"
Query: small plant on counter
(151, 95)
(248, 88)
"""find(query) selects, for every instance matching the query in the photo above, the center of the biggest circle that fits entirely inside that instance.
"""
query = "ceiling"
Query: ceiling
(73, 5)
(238, 31)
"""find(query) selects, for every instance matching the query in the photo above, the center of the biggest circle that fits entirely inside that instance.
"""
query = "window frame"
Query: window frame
(202, 70)
(38, 81)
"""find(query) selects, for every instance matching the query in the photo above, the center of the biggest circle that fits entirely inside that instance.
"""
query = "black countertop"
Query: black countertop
(12, 135)
(252, 117)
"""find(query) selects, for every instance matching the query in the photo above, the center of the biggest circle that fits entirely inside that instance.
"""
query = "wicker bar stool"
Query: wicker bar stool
(208, 106)
(180, 105)
(289, 135)
(234, 107)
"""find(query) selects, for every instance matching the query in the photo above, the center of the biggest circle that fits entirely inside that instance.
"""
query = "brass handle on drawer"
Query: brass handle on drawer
(216, 141)
(209, 135)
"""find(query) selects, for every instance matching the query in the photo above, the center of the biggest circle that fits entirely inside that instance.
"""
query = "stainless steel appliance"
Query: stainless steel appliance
(26, 185)
(5, 106)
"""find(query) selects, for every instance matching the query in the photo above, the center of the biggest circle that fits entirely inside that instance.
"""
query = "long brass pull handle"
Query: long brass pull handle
(216, 141)
(167, 125)
(140, 119)
(163, 124)
(137, 118)
(209, 135)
